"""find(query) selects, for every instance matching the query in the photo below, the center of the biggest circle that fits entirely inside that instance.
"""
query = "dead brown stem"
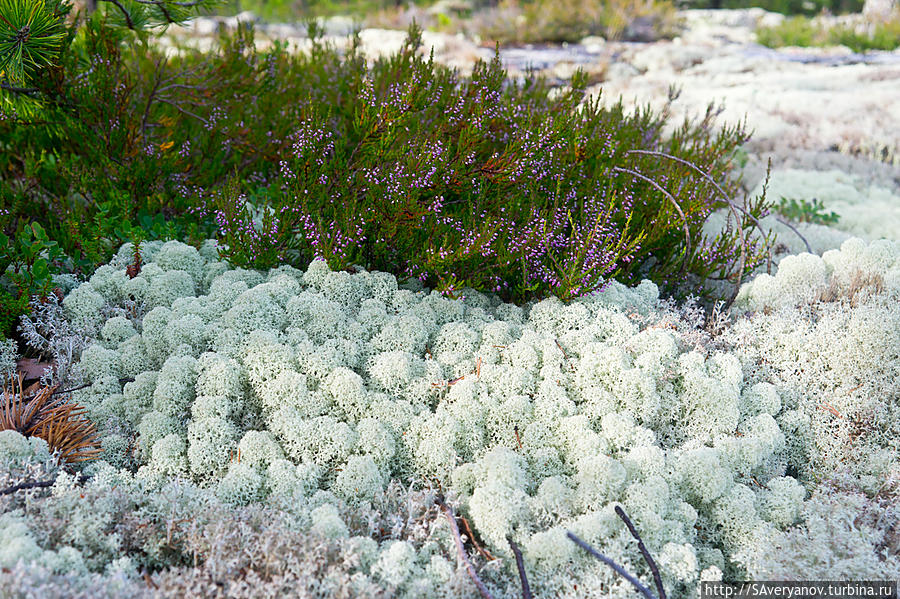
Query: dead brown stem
(461, 551)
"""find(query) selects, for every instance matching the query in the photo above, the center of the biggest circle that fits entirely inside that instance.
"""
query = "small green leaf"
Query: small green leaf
(39, 233)
(40, 271)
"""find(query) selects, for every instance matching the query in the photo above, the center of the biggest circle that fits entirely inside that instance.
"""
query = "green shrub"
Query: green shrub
(879, 36)
(521, 191)
(93, 166)
(27, 264)
(295, 10)
(787, 7)
(479, 183)
(804, 32)
(534, 21)
(805, 211)
(795, 31)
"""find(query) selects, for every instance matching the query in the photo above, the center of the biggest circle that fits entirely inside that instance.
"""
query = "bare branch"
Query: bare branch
(483, 552)
(687, 231)
(61, 391)
(684, 162)
(122, 381)
(656, 578)
(619, 570)
(708, 178)
(732, 208)
(79, 477)
(792, 228)
(157, 80)
(520, 565)
(163, 88)
(183, 111)
(461, 551)
(21, 486)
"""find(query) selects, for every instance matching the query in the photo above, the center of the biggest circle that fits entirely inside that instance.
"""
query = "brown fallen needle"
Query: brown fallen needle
(483, 552)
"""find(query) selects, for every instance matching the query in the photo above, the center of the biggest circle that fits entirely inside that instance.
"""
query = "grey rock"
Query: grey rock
(593, 44)
(449, 7)
(205, 26)
(283, 30)
(621, 70)
(879, 9)
(641, 29)
(244, 17)
(338, 26)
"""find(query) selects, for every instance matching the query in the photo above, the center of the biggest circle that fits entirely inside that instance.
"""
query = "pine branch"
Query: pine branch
(19, 90)
(128, 21)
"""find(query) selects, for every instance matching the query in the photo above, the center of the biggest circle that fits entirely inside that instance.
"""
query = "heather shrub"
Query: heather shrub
(481, 183)
(525, 191)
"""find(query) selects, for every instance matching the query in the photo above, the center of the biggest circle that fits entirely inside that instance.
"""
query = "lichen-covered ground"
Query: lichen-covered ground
(287, 432)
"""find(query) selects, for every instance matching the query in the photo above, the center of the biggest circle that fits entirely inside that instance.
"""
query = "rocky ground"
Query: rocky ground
(828, 118)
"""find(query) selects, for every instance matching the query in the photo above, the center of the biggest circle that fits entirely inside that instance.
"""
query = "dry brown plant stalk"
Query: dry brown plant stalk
(481, 550)
(460, 550)
(58, 422)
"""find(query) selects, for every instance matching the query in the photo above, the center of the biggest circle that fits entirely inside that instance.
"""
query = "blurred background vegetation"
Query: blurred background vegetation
(289, 10)
(785, 7)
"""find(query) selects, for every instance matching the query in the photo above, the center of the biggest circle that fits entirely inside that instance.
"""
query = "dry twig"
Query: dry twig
(733, 208)
(22, 486)
(684, 222)
(520, 566)
(619, 570)
(461, 552)
(656, 578)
